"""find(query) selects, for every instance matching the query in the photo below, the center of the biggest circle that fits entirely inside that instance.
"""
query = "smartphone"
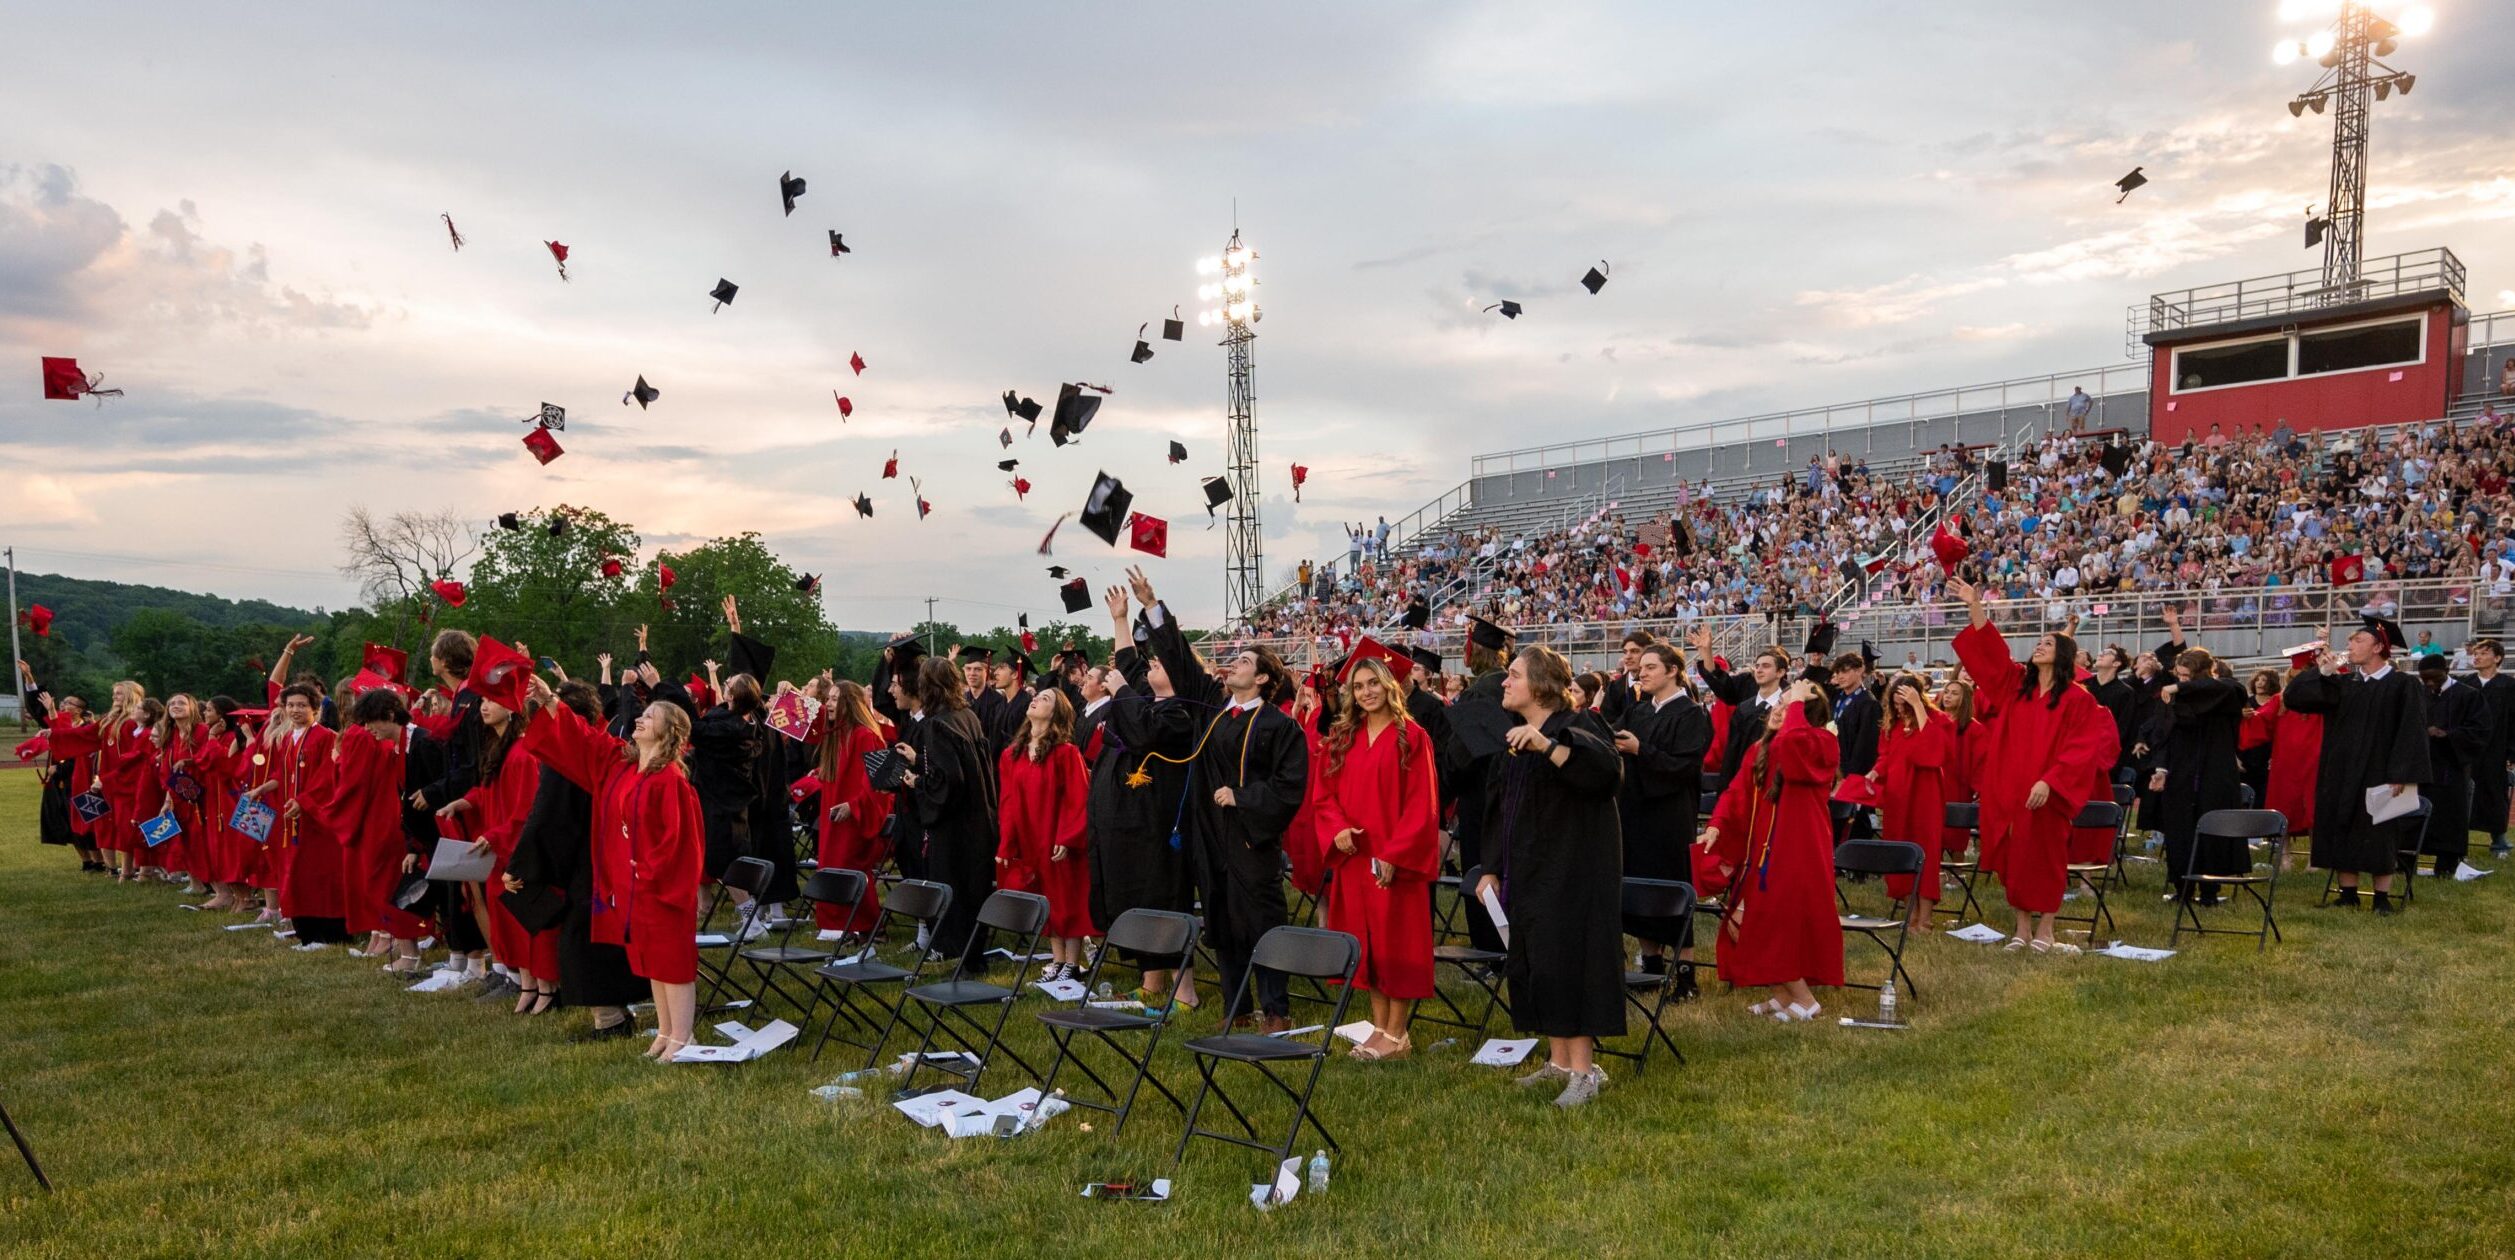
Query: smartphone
(549, 664)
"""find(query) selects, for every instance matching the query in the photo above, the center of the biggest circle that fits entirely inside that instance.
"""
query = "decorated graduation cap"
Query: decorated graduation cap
(1485, 634)
(2129, 182)
(558, 255)
(864, 505)
(1370, 649)
(1178, 452)
(450, 591)
(642, 392)
(2303, 655)
(1075, 595)
(392, 662)
(1217, 493)
(789, 187)
(723, 292)
(838, 244)
(1004, 438)
(510, 521)
(498, 674)
(1149, 534)
(1509, 309)
(38, 619)
(63, 382)
(551, 416)
(1143, 349)
(1075, 409)
(1597, 277)
(2348, 569)
(2386, 631)
(1103, 510)
(544, 447)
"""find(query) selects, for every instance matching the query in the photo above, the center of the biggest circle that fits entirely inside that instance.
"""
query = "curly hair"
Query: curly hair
(1060, 728)
(672, 736)
(1349, 718)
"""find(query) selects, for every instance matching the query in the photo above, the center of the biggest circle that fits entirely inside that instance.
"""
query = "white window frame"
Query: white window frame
(2293, 337)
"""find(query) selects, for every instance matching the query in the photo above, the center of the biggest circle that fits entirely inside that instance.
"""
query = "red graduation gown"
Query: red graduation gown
(648, 842)
(366, 813)
(2296, 757)
(1782, 924)
(189, 851)
(1913, 774)
(77, 743)
(856, 844)
(125, 763)
(1397, 809)
(499, 810)
(1305, 843)
(1039, 806)
(316, 884)
(2068, 747)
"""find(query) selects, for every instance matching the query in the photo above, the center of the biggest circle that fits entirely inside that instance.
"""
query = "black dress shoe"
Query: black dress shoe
(600, 1033)
(1654, 964)
(2383, 903)
(2348, 899)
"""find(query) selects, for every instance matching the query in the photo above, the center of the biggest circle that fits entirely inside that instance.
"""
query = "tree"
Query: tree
(774, 611)
(394, 559)
(549, 591)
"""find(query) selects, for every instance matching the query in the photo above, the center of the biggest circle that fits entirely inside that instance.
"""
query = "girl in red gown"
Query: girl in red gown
(74, 741)
(1041, 784)
(499, 802)
(648, 843)
(2296, 757)
(851, 811)
(371, 755)
(1304, 841)
(148, 792)
(181, 740)
(2047, 743)
(122, 756)
(1781, 929)
(1956, 699)
(1915, 779)
(1379, 810)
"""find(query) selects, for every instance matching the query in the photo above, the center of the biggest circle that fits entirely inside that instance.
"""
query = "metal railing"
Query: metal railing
(2395, 275)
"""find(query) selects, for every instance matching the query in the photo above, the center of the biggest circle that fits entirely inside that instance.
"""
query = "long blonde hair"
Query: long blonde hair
(125, 706)
(1349, 716)
(849, 708)
(671, 738)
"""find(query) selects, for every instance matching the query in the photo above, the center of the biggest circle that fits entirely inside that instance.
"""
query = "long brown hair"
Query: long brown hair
(1895, 712)
(939, 687)
(1060, 727)
(672, 736)
(1349, 717)
(848, 710)
(495, 747)
(1768, 777)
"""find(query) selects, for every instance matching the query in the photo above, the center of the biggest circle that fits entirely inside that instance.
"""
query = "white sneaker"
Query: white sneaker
(1581, 1088)
(828, 934)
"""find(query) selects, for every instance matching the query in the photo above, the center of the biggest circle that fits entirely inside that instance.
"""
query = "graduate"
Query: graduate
(1955, 698)
(2196, 768)
(2380, 715)
(850, 813)
(1316, 703)
(1138, 804)
(1009, 679)
(1781, 930)
(372, 754)
(313, 891)
(122, 755)
(1917, 774)
(731, 746)
(2296, 748)
(72, 741)
(649, 843)
(1039, 814)
(1555, 854)
(1663, 737)
(2497, 749)
(180, 737)
(555, 852)
(1251, 774)
(1377, 804)
(2458, 732)
(2045, 744)
(1471, 762)
(1748, 695)
(952, 784)
(500, 803)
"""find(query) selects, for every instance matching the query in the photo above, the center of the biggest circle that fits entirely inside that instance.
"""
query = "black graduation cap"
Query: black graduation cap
(904, 651)
(1821, 639)
(1597, 277)
(1007, 465)
(1105, 510)
(1868, 654)
(1178, 452)
(1075, 410)
(807, 584)
(1172, 329)
(838, 244)
(974, 652)
(1020, 408)
(1425, 659)
(1481, 726)
(558, 524)
(509, 520)
(1004, 438)
(1019, 660)
(1058, 571)
(1217, 493)
(750, 656)
(1509, 309)
(1485, 634)
(723, 292)
(642, 392)
(789, 188)
(2385, 629)
(864, 505)
(1143, 348)
(2129, 182)
(1076, 594)
(2315, 226)
(1418, 613)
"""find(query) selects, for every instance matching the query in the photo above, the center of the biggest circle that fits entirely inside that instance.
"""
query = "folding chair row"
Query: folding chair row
(2247, 825)
(2095, 877)
(1649, 993)
(1881, 859)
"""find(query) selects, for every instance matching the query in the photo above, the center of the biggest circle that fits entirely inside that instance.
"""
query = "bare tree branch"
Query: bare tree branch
(396, 557)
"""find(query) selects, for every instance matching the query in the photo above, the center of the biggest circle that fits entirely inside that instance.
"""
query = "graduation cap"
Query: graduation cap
(723, 292)
(1418, 613)
(559, 255)
(1425, 659)
(1300, 473)
(1172, 329)
(890, 467)
(750, 656)
(543, 446)
(1019, 660)
(864, 505)
(510, 521)
(2386, 631)
(450, 591)
(642, 392)
(789, 188)
(1370, 649)
(2348, 569)
(664, 576)
(2315, 226)
(2303, 655)
(918, 488)
(1103, 509)
(1509, 309)
(38, 619)
(1485, 634)
(1217, 493)
(1076, 595)
(613, 567)
(1178, 452)
(63, 382)
(1149, 534)
(1004, 438)
(838, 244)
(1048, 539)
(1856, 790)
(558, 523)
(1058, 571)
(974, 652)
(1949, 549)
(1007, 465)
(1021, 408)
(1143, 349)
(1597, 277)
(1075, 410)
(2129, 182)
(1821, 639)
(1021, 487)
(856, 361)
(904, 651)
(846, 405)
(1030, 642)
(498, 673)
(808, 584)
(551, 416)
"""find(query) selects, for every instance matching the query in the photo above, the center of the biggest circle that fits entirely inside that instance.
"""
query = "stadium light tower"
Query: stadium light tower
(2350, 50)
(1235, 311)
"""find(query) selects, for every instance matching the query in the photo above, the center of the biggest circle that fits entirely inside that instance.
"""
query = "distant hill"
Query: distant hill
(87, 612)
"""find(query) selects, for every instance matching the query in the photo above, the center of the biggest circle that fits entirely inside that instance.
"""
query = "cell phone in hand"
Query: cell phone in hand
(550, 664)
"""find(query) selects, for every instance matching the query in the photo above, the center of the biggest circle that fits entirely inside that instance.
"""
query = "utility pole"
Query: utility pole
(930, 625)
(15, 655)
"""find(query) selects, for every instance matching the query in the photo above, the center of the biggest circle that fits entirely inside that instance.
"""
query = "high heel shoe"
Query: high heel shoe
(544, 1001)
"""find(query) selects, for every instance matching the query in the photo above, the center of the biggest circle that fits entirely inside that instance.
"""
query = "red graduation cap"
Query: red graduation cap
(392, 662)
(543, 446)
(845, 407)
(559, 254)
(1300, 473)
(890, 467)
(32, 748)
(450, 591)
(1030, 642)
(498, 673)
(1399, 664)
(1149, 533)
(664, 576)
(2303, 655)
(856, 361)
(803, 789)
(2348, 569)
(38, 619)
(1856, 790)
(1950, 549)
(611, 566)
(701, 697)
(923, 507)
(64, 382)
(367, 680)
(1021, 487)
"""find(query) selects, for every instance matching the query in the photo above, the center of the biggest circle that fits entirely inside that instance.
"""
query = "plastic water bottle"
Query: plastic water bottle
(1886, 1001)
(1105, 992)
(1318, 1173)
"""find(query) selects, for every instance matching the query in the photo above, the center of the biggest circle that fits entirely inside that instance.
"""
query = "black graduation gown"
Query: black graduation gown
(725, 751)
(908, 835)
(2382, 724)
(956, 805)
(2202, 723)
(1260, 755)
(1434, 717)
(2459, 712)
(1661, 796)
(2488, 768)
(1005, 725)
(1619, 696)
(988, 704)
(1134, 865)
(1746, 718)
(1462, 779)
(424, 762)
(1558, 849)
(556, 850)
(2121, 699)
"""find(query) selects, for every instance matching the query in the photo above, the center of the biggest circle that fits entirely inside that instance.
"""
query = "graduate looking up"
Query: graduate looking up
(2379, 715)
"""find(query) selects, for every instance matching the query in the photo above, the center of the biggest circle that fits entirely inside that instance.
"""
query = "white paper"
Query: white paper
(1493, 911)
(947, 1060)
(2383, 806)
(714, 940)
(1503, 1051)
(2137, 953)
(243, 927)
(1287, 1185)
(2467, 873)
(1303, 1031)
(1009, 956)
(1160, 1193)
(1061, 990)
(1980, 933)
(929, 1110)
(437, 982)
(455, 863)
(1356, 1032)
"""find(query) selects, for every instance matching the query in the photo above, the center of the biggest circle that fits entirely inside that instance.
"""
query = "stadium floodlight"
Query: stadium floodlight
(2319, 44)
(2285, 52)
(2418, 20)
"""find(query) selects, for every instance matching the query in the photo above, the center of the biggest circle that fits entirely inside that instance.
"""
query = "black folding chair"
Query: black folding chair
(1965, 870)
(838, 888)
(1481, 967)
(748, 875)
(2251, 826)
(2407, 860)
(1714, 907)
(1879, 859)
(853, 986)
(949, 1003)
(1295, 951)
(2095, 877)
(2123, 795)
(1299, 906)
(1151, 934)
(1449, 913)
(1649, 992)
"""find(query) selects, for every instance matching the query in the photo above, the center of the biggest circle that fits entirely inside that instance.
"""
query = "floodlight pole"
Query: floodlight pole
(1244, 544)
(2348, 199)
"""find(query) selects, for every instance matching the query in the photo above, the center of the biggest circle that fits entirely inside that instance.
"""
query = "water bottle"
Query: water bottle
(1105, 992)
(1318, 1173)
(1886, 1001)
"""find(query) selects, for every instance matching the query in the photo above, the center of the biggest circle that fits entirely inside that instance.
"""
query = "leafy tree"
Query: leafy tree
(773, 610)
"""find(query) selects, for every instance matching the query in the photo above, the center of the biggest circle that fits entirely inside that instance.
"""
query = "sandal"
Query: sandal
(2015, 944)
(1404, 1046)
(2040, 946)
(1796, 1014)
(672, 1046)
(1766, 1007)
(2066, 950)
(544, 1001)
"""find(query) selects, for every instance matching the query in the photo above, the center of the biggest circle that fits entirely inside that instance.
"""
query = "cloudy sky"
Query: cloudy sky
(235, 218)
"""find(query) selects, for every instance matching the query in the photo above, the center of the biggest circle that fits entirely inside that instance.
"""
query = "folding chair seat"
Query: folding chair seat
(948, 1003)
(853, 986)
(840, 889)
(2095, 877)
(1650, 992)
(1879, 859)
(2407, 861)
(1967, 869)
(1151, 934)
(747, 875)
(1480, 967)
(2248, 825)
(1319, 954)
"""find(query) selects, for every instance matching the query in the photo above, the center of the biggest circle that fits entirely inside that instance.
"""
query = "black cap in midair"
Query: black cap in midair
(838, 244)
(1075, 409)
(864, 505)
(1597, 277)
(1509, 309)
(2129, 182)
(1105, 510)
(642, 392)
(1077, 594)
(789, 188)
(1007, 465)
(509, 520)
(724, 291)
(1217, 493)
(1178, 452)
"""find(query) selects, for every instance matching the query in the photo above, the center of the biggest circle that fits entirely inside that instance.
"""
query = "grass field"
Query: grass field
(199, 1093)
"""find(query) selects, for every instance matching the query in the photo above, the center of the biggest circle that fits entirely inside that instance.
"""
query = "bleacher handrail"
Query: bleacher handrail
(2393, 275)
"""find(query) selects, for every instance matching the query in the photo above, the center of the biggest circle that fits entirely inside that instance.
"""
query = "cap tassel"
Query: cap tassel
(91, 389)
(457, 237)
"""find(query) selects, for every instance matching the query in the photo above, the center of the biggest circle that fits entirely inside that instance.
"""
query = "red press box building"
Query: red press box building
(2389, 348)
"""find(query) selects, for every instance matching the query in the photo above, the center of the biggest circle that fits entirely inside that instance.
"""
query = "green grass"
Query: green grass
(196, 1093)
